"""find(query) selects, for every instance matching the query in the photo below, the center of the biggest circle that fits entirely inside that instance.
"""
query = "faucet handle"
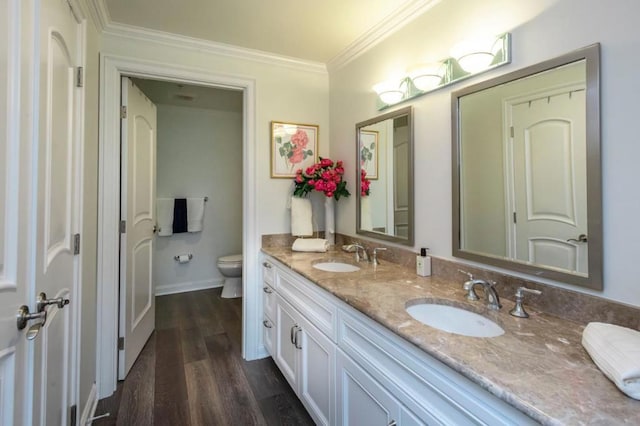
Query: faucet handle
(518, 309)
(375, 254)
(469, 274)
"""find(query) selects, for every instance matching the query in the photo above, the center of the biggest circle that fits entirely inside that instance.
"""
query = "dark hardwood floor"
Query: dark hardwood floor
(191, 372)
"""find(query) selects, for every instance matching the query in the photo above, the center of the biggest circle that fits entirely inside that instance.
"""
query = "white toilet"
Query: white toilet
(231, 268)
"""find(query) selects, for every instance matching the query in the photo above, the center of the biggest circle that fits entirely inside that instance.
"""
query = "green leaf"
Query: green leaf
(281, 151)
(278, 139)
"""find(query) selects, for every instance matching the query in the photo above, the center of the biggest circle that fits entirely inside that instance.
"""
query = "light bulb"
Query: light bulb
(427, 76)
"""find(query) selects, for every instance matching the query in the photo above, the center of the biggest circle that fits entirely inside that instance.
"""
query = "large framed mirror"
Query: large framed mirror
(527, 192)
(384, 148)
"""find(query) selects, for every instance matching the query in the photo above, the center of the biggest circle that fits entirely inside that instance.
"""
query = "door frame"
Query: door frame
(112, 68)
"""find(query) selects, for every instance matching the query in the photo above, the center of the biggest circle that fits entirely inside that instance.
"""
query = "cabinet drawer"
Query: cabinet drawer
(423, 384)
(269, 330)
(308, 298)
(268, 271)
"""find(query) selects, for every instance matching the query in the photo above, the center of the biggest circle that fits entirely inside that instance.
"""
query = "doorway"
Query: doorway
(181, 147)
(112, 69)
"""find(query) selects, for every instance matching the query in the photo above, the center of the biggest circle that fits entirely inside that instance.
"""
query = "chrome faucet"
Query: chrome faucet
(375, 260)
(491, 297)
(350, 248)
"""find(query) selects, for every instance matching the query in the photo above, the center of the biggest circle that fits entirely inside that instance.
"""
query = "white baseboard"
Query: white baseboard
(164, 289)
(262, 352)
(90, 406)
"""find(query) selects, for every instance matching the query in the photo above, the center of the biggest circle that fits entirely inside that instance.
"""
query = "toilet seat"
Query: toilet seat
(234, 259)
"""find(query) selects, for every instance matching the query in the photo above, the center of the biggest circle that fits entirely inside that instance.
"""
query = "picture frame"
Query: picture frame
(293, 146)
(369, 153)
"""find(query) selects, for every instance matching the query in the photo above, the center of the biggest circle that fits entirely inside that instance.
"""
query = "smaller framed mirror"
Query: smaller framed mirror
(384, 149)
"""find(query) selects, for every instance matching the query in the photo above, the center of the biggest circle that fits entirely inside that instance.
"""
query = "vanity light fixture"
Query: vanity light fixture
(468, 58)
(391, 91)
(477, 54)
(427, 76)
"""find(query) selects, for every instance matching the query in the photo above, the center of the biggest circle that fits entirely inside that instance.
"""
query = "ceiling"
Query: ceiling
(314, 30)
(168, 93)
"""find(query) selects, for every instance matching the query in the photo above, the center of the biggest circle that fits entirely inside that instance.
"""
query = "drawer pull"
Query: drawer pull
(295, 343)
(392, 423)
(266, 265)
(294, 331)
(267, 324)
(267, 290)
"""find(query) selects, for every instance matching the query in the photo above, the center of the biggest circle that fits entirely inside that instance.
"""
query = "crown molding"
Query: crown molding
(392, 23)
(99, 14)
(131, 32)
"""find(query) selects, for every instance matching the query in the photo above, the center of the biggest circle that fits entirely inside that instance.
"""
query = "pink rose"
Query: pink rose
(299, 178)
(300, 138)
(297, 156)
(329, 194)
(326, 162)
(310, 171)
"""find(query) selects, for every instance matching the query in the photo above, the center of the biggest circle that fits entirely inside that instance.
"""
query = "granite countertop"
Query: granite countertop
(538, 365)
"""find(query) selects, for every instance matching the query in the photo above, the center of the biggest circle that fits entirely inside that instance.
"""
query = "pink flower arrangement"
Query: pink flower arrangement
(364, 183)
(324, 176)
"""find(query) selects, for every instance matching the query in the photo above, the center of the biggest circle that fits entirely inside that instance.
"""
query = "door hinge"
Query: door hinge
(80, 77)
(121, 343)
(123, 226)
(73, 414)
(123, 111)
(512, 131)
(76, 244)
(515, 218)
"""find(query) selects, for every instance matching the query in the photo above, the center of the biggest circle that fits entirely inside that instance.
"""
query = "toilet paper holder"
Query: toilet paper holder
(177, 257)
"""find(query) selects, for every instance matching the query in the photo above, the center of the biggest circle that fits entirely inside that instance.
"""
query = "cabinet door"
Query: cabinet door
(286, 354)
(317, 373)
(361, 400)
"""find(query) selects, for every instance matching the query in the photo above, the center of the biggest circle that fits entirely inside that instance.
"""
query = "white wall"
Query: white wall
(199, 154)
(282, 94)
(541, 30)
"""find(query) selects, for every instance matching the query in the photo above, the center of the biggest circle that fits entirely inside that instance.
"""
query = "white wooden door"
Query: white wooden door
(16, 190)
(138, 168)
(549, 155)
(57, 265)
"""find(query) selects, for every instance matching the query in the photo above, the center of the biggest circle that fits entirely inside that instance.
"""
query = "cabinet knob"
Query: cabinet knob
(266, 265)
(392, 423)
(267, 324)
(267, 290)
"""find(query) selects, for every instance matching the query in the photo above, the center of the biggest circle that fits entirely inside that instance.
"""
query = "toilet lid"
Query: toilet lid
(234, 258)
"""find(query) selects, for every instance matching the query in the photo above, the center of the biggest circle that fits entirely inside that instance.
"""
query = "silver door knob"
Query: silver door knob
(42, 302)
(582, 238)
(24, 316)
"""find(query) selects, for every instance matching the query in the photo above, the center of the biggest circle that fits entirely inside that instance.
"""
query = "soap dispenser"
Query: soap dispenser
(423, 263)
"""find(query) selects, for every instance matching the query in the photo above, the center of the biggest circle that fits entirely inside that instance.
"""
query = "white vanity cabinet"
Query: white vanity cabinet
(304, 353)
(349, 370)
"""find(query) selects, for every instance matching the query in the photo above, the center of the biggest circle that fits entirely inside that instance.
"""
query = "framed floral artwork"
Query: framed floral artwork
(293, 147)
(369, 153)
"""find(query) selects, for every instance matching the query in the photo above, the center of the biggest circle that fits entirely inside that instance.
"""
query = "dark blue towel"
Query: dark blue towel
(179, 215)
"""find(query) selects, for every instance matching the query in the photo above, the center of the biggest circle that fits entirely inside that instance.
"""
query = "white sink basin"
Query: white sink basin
(454, 320)
(336, 267)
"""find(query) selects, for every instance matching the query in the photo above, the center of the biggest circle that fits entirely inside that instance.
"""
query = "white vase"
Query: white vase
(330, 220)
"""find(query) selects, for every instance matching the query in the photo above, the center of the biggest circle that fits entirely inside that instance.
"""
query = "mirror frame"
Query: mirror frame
(409, 241)
(594, 280)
